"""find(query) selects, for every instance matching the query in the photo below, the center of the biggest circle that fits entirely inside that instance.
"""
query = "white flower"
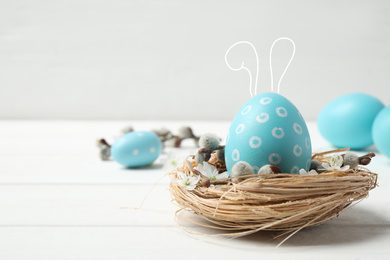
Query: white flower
(188, 182)
(172, 162)
(335, 163)
(211, 172)
(304, 172)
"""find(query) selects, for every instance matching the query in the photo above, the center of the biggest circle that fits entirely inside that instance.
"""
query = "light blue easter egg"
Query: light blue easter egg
(347, 120)
(136, 149)
(381, 131)
(269, 129)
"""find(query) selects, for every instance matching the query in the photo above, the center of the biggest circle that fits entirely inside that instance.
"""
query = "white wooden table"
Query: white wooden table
(59, 201)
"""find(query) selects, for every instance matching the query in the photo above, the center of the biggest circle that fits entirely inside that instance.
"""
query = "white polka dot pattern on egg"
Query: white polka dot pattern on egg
(308, 163)
(262, 118)
(297, 128)
(152, 149)
(297, 150)
(135, 151)
(255, 169)
(307, 142)
(281, 111)
(236, 155)
(140, 134)
(255, 142)
(274, 158)
(246, 110)
(240, 128)
(278, 135)
(294, 170)
(268, 129)
(265, 101)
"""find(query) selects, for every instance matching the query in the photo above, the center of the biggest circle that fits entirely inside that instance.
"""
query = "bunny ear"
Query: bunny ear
(245, 68)
(288, 64)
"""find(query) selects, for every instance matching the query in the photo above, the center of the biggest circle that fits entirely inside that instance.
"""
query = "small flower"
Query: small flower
(187, 182)
(172, 162)
(335, 163)
(211, 172)
(304, 172)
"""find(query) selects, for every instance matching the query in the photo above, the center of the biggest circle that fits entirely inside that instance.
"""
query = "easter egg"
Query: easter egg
(136, 149)
(381, 131)
(269, 129)
(347, 120)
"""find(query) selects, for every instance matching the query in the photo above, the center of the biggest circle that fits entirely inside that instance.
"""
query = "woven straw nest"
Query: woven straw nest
(277, 202)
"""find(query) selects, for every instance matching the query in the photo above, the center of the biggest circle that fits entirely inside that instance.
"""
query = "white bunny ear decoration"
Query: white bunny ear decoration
(245, 68)
(257, 64)
(288, 64)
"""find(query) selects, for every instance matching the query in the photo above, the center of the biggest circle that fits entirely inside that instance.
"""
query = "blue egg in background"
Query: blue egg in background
(347, 120)
(269, 129)
(136, 149)
(381, 131)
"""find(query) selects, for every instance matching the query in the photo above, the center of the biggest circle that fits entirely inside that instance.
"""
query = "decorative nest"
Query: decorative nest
(275, 202)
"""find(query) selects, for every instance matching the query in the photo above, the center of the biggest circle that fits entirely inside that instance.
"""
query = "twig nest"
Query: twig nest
(278, 202)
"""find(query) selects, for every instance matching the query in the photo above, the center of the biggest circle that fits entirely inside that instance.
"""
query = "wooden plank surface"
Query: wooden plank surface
(59, 201)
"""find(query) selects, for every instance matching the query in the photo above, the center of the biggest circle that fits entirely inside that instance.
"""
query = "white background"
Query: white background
(81, 59)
